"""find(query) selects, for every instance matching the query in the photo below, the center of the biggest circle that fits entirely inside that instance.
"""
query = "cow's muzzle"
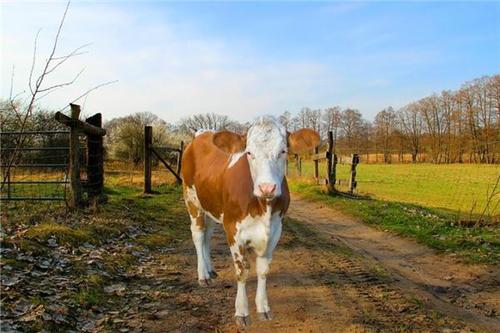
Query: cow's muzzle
(267, 190)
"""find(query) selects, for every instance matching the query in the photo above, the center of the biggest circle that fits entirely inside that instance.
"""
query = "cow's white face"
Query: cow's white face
(266, 151)
(266, 146)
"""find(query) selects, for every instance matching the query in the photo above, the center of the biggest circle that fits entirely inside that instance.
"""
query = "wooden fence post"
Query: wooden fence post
(74, 161)
(148, 141)
(352, 180)
(95, 161)
(179, 158)
(330, 171)
(95, 158)
(334, 169)
(316, 166)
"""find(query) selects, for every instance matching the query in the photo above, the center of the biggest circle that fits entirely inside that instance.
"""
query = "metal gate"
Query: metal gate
(34, 165)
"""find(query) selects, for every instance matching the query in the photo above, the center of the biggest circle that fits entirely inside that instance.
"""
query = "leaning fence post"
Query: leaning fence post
(352, 180)
(74, 161)
(179, 158)
(148, 142)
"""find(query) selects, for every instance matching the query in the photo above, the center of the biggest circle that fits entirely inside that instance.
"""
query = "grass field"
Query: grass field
(438, 229)
(462, 188)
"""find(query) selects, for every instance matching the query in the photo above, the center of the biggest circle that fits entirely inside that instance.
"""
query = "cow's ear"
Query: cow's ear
(302, 140)
(230, 142)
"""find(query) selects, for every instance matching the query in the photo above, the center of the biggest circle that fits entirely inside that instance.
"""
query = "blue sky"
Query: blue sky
(251, 58)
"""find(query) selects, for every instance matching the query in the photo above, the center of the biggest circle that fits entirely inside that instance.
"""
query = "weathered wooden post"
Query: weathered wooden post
(286, 167)
(316, 165)
(96, 168)
(95, 162)
(352, 180)
(300, 166)
(74, 161)
(179, 158)
(148, 142)
(330, 172)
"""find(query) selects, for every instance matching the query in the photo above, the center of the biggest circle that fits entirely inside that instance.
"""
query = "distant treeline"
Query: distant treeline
(449, 127)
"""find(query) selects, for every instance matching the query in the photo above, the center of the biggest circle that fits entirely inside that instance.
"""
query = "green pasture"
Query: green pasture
(436, 228)
(462, 188)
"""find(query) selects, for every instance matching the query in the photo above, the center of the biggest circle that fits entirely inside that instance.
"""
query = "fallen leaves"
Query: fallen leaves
(115, 285)
(118, 289)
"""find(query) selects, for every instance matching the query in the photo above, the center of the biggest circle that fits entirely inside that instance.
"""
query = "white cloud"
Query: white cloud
(162, 67)
(168, 65)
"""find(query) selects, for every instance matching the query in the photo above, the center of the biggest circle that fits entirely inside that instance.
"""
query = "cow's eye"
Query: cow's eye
(283, 151)
(249, 153)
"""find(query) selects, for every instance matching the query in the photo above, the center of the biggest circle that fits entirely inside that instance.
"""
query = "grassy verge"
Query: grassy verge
(127, 207)
(433, 227)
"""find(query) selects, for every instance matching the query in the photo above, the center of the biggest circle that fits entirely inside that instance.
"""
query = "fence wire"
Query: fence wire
(37, 169)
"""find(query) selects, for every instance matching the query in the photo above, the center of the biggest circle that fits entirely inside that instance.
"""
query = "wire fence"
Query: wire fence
(55, 164)
(34, 165)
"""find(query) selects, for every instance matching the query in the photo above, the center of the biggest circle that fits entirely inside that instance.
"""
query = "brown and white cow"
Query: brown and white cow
(240, 182)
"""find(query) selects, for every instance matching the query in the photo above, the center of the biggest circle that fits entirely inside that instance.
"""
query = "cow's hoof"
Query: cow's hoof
(264, 315)
(242, 322)
(213, 274)
(204, 283)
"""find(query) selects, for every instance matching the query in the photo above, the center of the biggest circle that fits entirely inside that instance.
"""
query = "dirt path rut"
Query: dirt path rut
(333, 274)
(470, 292)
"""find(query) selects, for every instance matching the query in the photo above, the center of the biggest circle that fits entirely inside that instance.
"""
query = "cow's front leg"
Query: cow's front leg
(241, 267)
(262, 263)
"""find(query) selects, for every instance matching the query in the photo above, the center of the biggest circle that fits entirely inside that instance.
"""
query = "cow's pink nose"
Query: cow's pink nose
(267, 188)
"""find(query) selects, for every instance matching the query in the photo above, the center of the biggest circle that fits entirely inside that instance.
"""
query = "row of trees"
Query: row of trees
(450, 127)
(453, 126)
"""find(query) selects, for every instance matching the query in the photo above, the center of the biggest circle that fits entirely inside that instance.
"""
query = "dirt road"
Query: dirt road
(469, 292)
(330, 273)
(333, 274)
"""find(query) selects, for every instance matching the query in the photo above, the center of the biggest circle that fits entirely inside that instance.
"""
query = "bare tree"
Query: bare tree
(352, 128)
(411, 124)
(332, 121)
(24, 102)
(434, 116)
(384, 129)
(208, 121)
